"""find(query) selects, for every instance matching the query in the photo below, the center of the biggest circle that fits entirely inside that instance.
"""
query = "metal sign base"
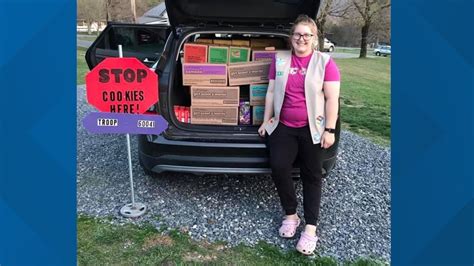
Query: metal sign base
(132, 211)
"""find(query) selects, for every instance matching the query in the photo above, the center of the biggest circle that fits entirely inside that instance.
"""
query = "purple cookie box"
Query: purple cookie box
(244, 112)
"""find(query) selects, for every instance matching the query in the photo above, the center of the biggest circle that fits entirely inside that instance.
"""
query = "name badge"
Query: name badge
(320, 120)
(280, 61)
(317, 137)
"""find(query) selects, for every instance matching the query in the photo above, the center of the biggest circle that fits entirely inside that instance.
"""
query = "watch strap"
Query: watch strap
(330, 130)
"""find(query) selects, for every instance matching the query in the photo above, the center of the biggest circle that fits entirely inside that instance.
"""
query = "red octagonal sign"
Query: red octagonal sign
(122, 85)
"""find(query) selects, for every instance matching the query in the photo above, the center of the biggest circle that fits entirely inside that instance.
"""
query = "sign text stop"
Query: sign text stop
(122, 85)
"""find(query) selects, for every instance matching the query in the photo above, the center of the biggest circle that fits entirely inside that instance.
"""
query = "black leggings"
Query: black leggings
(285, 145)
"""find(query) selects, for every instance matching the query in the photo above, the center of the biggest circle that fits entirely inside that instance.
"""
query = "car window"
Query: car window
(144, 42)
(137, 40)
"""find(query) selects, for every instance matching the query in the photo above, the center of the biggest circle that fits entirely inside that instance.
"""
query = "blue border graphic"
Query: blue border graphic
(432, 90)
(38, 133)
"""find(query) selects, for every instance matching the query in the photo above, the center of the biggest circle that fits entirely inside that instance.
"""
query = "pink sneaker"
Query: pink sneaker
(307, 244)
(288, 228)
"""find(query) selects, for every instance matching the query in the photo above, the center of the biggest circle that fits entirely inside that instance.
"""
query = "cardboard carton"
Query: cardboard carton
(257, 94)
(176, 112)
(214, 96)
(214, 115)
(182, 113)
(223, 42)
(195, 53)
(218, 54)
(204, 74)
(204, 41)
(187, 115)
(262, 55)
(248, 73)
(239, 54)
(240, 43)
(257, 114)
(266, 42)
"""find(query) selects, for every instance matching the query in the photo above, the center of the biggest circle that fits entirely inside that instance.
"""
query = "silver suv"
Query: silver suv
(328, 45)
(383, 50)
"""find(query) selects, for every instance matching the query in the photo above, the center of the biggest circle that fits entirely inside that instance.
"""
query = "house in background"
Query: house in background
(81, 25)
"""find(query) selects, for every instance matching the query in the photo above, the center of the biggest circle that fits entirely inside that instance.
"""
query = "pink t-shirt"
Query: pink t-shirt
(293, 112)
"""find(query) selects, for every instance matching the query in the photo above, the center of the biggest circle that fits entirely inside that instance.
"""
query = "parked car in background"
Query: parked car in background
(155, 16)
(383, 50)
(328, 45)
(191, 147)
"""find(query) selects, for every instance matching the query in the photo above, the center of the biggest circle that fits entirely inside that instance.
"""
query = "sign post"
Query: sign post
(122, 89)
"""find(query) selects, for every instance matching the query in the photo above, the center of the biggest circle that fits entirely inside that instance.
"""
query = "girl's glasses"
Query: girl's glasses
(306, 36)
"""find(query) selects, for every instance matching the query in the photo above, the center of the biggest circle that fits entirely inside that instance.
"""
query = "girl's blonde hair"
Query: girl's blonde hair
(305, 20)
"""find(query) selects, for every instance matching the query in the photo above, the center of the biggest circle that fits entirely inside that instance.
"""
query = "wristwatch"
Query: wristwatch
(330, 130)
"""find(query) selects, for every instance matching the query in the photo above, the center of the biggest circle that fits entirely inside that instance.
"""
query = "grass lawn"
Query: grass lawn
(82, 68)
(365, 97)
(99, 243)
(370, 51)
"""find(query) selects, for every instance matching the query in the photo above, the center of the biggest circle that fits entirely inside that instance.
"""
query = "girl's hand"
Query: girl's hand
(327, 140)
(261, 130)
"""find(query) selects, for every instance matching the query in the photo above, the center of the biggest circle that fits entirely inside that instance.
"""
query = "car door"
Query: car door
(145, 42)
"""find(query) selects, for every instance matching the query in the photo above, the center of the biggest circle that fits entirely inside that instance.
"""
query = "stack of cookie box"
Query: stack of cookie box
(217, 70)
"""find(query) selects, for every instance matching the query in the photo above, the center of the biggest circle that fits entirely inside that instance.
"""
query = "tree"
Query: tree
(344, 32)
(329, 8)
(92, 11)
(367, 10)
(380, 32)
(121, 11)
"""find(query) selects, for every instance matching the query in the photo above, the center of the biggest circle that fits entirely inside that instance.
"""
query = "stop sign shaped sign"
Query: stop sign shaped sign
(122, 85)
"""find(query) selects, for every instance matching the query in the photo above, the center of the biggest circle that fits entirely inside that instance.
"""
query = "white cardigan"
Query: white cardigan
(315, 103)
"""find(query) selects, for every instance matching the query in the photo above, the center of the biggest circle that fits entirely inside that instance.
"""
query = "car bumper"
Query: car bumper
(158, 154)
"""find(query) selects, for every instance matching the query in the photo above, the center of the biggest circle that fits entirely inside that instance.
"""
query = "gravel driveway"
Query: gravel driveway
(355, 211)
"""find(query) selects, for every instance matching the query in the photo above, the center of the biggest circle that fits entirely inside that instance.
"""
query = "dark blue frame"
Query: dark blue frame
(38, 132)
(432, 143)
(432, 93)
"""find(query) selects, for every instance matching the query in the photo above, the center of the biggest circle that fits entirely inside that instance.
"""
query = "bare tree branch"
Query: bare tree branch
(340, 10)
(377, 9)
(372, 2)
(385, 6)
(358, 7)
